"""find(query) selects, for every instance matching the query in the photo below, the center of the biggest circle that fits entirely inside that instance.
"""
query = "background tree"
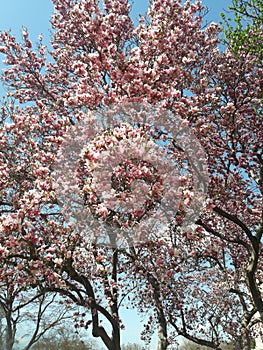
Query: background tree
(246, 32)
(187, 345)
(28, 310)
(133, 346)
(64, 338)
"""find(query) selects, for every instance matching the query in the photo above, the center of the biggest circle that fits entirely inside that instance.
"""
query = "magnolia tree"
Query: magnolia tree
(228, 234)
(131, 158)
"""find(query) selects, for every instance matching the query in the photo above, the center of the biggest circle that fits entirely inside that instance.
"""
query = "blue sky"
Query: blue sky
(35, 14)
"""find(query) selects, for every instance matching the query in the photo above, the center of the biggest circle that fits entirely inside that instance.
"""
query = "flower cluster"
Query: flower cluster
(119, 185)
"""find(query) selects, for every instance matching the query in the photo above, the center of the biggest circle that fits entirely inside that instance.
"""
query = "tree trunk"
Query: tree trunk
(162, 337)
(116, 339)
(244, 342)
(111, 343)
(1, 334)
(9, 334)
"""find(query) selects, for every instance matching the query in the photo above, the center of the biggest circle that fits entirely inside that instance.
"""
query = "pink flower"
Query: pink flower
(102, 210)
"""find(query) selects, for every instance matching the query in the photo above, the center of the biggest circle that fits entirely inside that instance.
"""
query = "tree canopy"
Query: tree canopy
(131, 167)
